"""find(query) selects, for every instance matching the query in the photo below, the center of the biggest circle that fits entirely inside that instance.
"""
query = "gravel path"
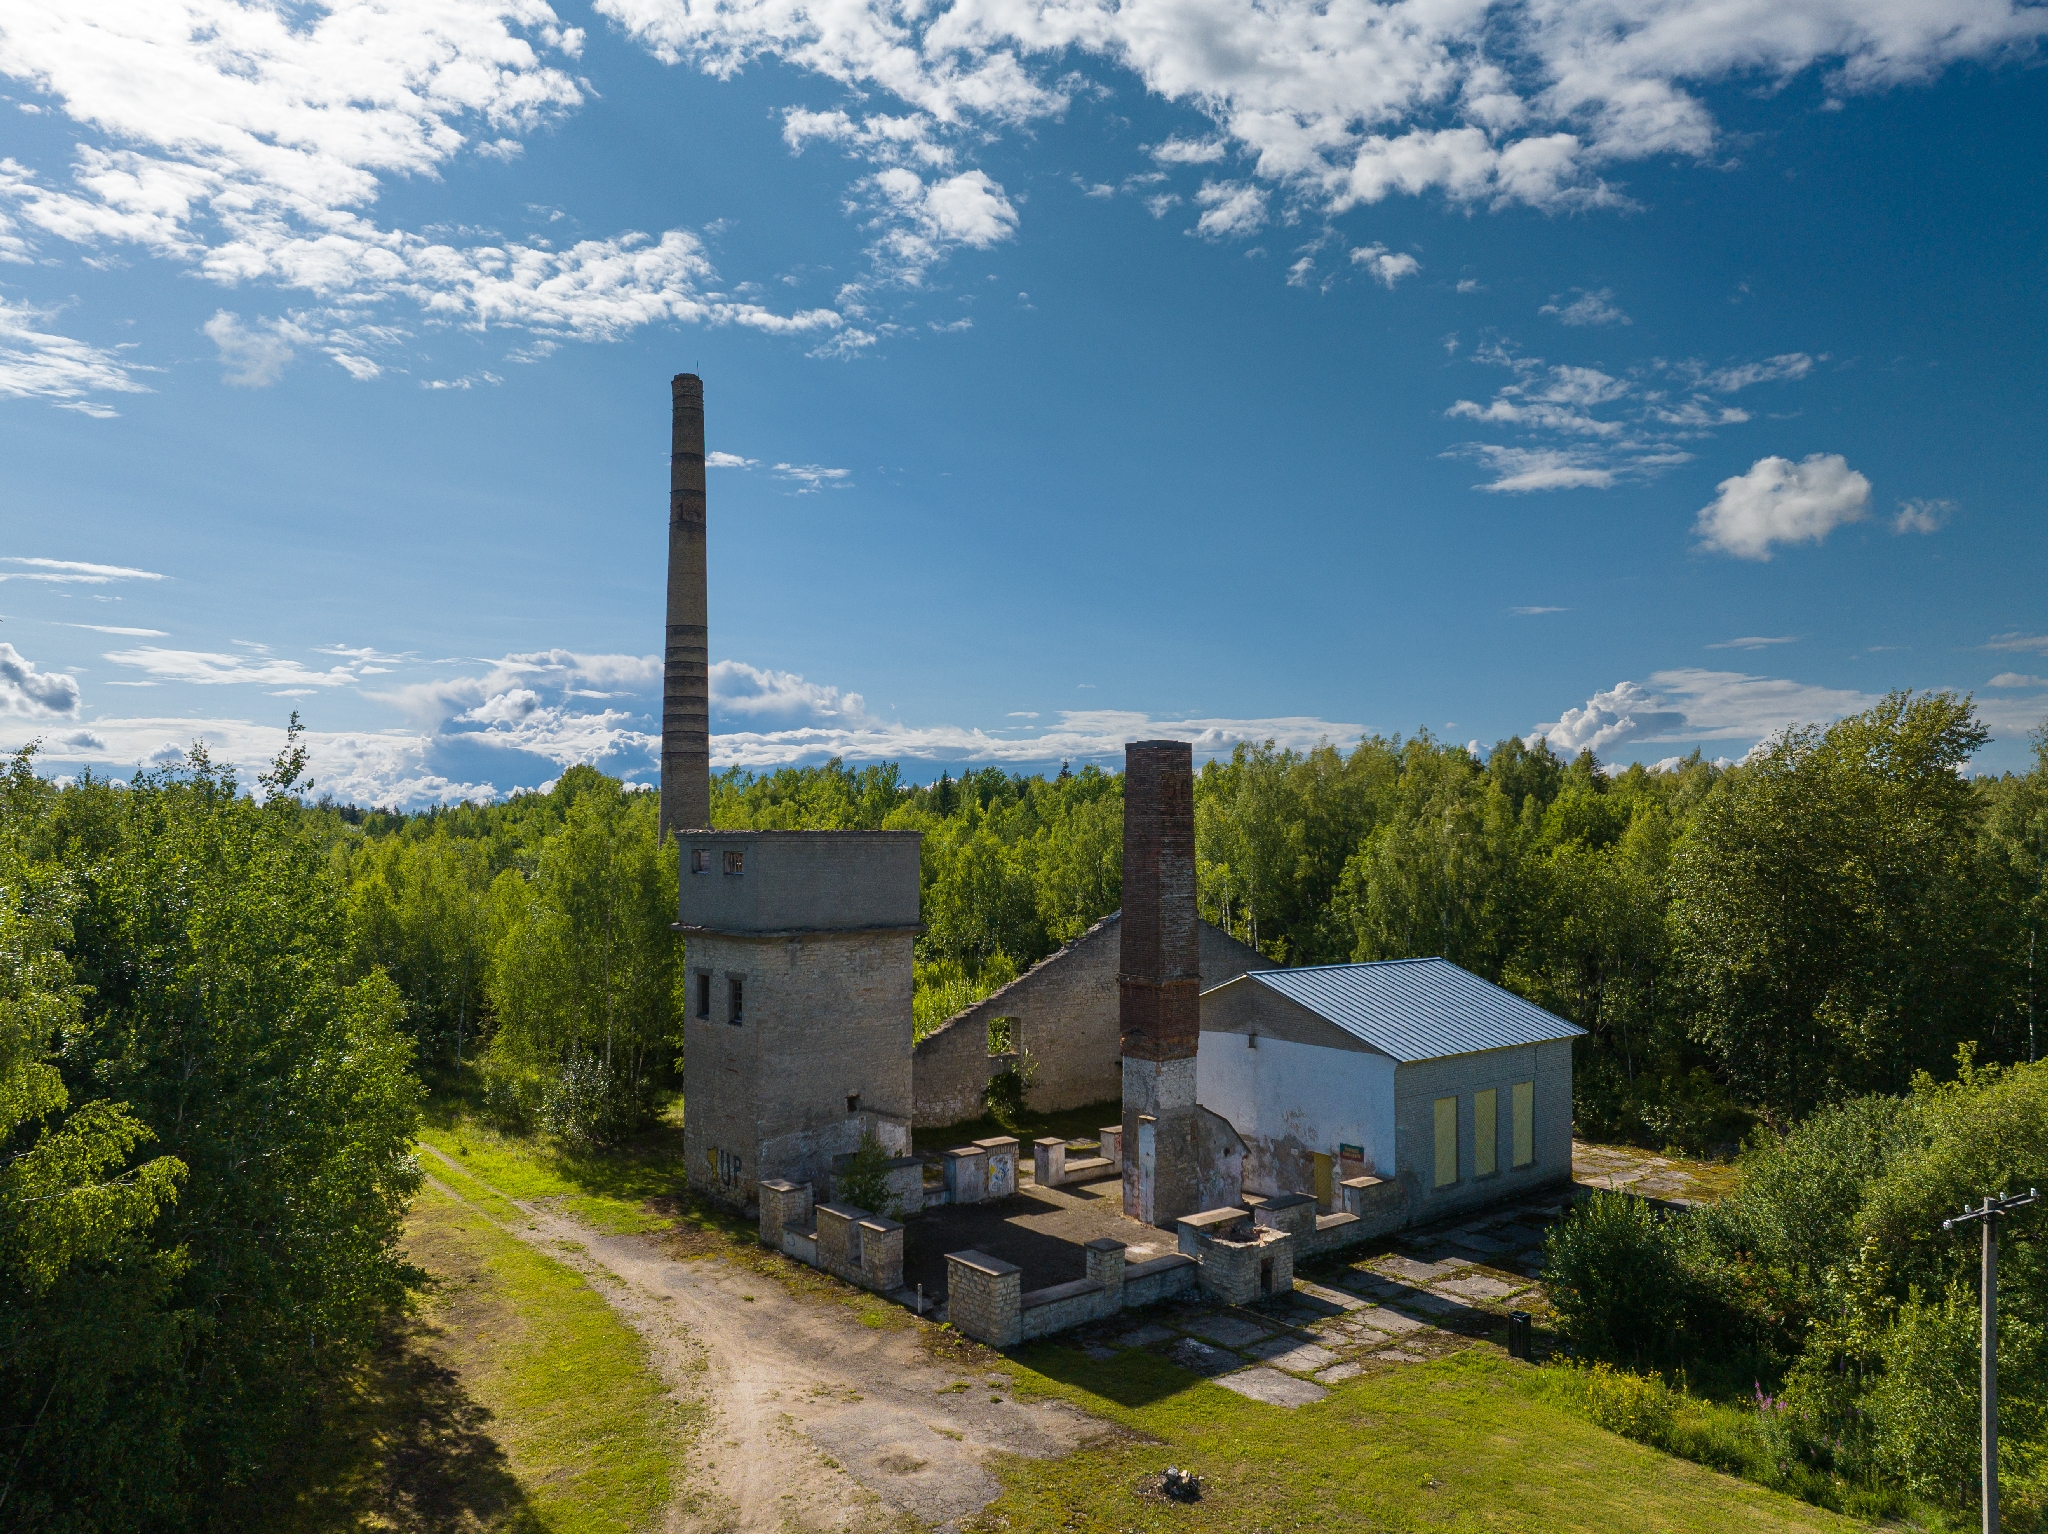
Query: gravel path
(817, 1421)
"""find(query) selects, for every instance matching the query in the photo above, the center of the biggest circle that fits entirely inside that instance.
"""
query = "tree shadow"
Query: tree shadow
(398, 1444)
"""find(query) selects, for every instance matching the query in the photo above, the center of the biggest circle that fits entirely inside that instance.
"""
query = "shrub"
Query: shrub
(865, 1181)
(1637, 1406)
(1617, 1280)
(1006, 1093)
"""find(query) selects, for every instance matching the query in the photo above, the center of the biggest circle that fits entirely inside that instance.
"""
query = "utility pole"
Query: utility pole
(1994, 1210)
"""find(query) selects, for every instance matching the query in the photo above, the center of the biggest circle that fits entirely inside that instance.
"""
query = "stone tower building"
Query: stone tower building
(796, 1033)
(1159, 982)
(797, 944)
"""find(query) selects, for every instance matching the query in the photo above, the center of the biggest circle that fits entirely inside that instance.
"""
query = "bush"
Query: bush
(1006, 1093)
(865, 1182)
(1616, 1278)
(1637, 1406)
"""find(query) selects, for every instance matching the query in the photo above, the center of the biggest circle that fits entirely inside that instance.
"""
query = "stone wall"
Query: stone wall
(1418, 1086)
(1064, 1012)
(820, 1053)
(984, 1298)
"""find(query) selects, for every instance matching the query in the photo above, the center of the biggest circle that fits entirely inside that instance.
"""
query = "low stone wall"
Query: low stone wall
(984, 1298)
(1163, 1278)
(854, 1244)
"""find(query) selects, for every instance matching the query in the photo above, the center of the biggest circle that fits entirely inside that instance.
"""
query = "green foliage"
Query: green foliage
(174, 1314)
(1831, 920)
(582, 971)
(864, 1182)
(1619, 1279)
(946, 987)
(1008, 1093)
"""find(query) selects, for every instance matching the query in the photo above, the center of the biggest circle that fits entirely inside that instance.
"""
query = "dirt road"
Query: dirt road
(818, 1421)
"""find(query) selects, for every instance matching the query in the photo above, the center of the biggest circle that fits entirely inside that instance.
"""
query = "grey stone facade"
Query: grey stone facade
(810, 935)
(1063, 1010)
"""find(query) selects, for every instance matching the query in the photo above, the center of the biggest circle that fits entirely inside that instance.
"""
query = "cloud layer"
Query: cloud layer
(1692, 704)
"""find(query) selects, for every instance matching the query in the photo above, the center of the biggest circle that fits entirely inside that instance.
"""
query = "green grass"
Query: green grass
(606, 1188)
(1069, 1124)
(514, 1401)
(1466, 1443)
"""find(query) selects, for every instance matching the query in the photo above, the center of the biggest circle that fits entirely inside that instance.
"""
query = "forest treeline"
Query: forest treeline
(218, 1008)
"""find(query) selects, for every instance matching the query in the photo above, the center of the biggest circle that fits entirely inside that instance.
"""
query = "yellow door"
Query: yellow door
(1446, 1141)
(1325, 1189)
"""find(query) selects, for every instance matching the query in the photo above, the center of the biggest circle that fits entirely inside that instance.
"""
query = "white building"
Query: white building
(1410, 1070)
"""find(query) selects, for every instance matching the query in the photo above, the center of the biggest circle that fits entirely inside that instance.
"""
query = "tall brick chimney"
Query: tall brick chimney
(686, 678)
(1158, 979)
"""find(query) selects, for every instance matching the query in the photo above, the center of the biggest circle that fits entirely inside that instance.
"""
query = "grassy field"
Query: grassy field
(513, 1401)
(1465, 1443)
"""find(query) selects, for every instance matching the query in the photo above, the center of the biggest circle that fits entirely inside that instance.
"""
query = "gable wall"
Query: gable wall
(1065, 1011)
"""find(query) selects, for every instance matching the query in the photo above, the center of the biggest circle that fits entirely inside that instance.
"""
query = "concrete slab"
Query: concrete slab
(1228, 1331)
(1272, 1387)
(1393, 1321)
(1200, 1358)
(1141, 1336)
(1398, 1356)
(1337, 1372)
(1480, 1242)
(1479, 1286)
(1418, 1272)
(1293, 1355)
(1326, 1296)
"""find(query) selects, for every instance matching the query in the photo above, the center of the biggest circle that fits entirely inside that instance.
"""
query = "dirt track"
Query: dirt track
(818, 1422)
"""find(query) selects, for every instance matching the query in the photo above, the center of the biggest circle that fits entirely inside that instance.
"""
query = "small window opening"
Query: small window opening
(1002, 1035)
(1266, 1276)
(1251, 1041)
(700, 860)
(735, 862)
(853, 1102)
(703, 995)
(734, 996)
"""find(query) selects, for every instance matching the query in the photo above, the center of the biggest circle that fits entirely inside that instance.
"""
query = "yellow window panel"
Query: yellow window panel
(1525, 1122)
(1446, 1141)
(1485, 1132)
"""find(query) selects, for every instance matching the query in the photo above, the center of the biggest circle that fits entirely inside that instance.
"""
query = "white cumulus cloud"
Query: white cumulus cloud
(1596, 308)
(1922, 516)
(1777, 501)
(32, 694)
(1695, 704)
(1387, 267)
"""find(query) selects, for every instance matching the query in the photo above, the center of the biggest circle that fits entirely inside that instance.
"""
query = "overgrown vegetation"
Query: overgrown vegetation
(1824, 1292)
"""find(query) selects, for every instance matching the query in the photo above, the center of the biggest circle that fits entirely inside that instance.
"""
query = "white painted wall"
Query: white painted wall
(1287, 1100)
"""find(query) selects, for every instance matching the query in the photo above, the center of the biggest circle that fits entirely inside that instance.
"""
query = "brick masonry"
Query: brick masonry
(686, 678)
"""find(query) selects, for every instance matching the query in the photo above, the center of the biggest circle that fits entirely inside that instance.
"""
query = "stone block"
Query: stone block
(1105, 1263)
(784, 1206)
(1293, 1213)
(1049, 1161)
(999, 1179)
(984, 1298)
(881, 1253)
(839, 1238)
(966, 1175)
(1113, 1143)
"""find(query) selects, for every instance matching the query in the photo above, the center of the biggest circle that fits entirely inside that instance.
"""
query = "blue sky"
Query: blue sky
(1650, 377)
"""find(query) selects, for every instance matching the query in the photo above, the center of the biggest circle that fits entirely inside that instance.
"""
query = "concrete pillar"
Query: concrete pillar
(1049, 1161)
(1158, 980)
(966, 1175)
(686, 676)
(984, 1298)
(1105, 1259)
(1112, 1143)
(784, 1206)
(1000, 1178)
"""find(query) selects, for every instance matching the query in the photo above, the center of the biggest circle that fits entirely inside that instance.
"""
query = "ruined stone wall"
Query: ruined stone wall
(1065, 1012)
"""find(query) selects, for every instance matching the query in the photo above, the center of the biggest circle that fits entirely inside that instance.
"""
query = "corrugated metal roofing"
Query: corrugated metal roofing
(1416, 1009)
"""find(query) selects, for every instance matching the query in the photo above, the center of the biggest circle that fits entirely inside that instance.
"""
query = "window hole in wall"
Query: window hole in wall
(1002, 1035)
(704, 994)
(700, 860)
(853, 1102)
(735, 862)
(735, 995)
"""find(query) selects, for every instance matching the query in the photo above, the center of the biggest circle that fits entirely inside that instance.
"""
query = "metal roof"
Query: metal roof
(1416, 1009)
